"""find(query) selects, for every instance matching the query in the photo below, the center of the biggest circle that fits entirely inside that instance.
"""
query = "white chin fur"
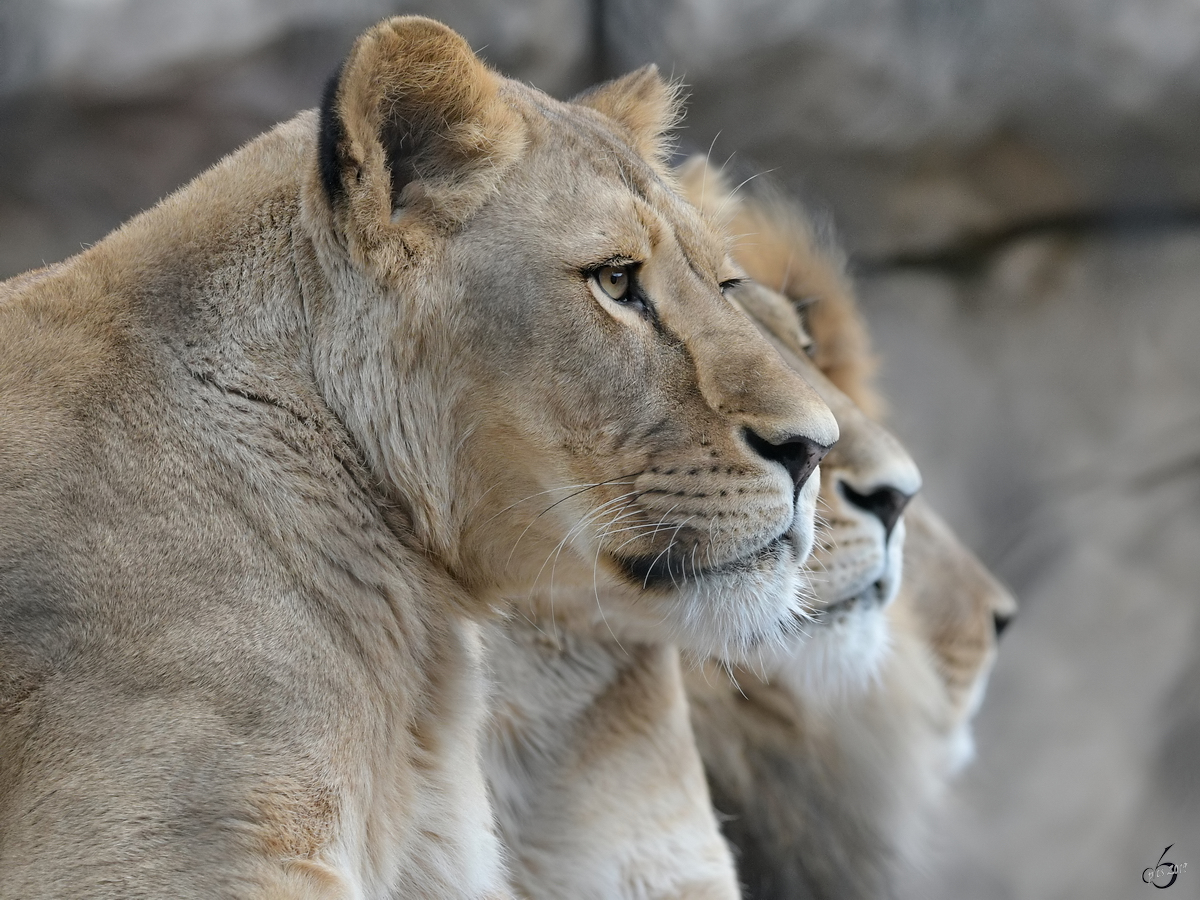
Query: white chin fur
(840, 651)
(730, 616)
(840, 654)
(735, 616)
(751, 613)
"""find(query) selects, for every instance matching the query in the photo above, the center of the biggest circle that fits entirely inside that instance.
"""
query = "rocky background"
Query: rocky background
(1018, 182)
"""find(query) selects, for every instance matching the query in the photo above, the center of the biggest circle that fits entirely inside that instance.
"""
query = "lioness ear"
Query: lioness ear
(643, 103)
(413, 119)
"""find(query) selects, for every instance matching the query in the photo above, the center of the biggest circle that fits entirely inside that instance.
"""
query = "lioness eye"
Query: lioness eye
(614, 281)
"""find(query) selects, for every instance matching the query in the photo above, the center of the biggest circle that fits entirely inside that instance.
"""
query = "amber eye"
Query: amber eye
(614, 281)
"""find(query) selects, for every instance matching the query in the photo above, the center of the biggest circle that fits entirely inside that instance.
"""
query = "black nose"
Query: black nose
(799, 455)
(886, 504)
(1001, 621)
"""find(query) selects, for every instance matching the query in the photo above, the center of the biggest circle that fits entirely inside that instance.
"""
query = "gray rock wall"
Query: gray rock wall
(928, 120)
(1053, 401)
(1019, 184)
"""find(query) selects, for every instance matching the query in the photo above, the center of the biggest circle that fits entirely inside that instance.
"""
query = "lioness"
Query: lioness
(600, 791)
(802, 302)
(269, 449)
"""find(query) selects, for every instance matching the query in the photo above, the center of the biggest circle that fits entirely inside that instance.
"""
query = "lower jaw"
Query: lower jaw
(872, 595)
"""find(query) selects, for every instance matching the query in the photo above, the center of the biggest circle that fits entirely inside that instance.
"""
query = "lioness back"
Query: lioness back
(163, 616)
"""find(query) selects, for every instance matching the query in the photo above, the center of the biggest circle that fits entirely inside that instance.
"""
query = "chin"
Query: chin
(734, 609)
(732, 617)
(839, 654)
(841, 648)
(727, 611)
(756, 607)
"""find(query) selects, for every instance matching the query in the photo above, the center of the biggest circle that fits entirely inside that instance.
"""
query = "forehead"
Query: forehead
(583, 156)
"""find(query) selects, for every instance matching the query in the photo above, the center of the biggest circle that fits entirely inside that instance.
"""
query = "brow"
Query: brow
(642, 181)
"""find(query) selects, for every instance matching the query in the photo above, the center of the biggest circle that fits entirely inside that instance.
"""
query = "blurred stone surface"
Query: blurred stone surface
(126, 47)
(1019, 181)
(108, 105)
(928, 120)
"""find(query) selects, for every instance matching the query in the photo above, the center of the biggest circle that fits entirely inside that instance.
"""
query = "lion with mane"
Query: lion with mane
(828, 786)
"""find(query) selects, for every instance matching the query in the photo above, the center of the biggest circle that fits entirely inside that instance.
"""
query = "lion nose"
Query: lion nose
(798, 454)
(886, 504)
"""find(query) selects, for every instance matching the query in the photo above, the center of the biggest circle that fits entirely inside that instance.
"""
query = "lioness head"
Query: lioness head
(866, 480)
(528, 331)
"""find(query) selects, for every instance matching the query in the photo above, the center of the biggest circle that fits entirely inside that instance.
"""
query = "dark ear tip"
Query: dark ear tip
(332, 133)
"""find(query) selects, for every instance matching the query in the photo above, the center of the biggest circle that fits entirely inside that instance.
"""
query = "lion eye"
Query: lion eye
(614, 281)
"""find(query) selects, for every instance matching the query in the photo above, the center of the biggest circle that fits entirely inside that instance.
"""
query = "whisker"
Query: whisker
(584, 521)
(599, 605)
(670, 544)
(666, 550)
(586, 485)
(707, 168)
(589, 487)
(729, 197)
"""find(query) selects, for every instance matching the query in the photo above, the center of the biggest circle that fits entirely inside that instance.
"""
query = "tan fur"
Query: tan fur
(647, 107)
(957, 604)
(600, 792)
(827, 791)
(779, 248)
(659, 453)
(857, 564)
(269, 450)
